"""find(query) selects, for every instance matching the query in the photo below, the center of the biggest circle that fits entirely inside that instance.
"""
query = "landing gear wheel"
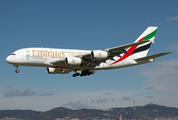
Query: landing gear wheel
(17, 71)
(93, 72)
(76, 74)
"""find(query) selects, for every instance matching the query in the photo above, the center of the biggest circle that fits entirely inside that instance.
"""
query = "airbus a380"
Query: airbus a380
(64, 61)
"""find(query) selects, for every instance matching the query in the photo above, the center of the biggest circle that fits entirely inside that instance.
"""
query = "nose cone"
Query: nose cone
(10, 59)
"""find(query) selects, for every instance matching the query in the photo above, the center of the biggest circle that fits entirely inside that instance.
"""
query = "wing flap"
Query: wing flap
(152, 56)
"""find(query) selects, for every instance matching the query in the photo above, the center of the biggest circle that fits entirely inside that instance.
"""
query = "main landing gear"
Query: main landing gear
(17, 70)
(84, 73)
(76, 74)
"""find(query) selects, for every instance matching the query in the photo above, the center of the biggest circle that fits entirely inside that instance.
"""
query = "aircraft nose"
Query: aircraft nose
(10, 59)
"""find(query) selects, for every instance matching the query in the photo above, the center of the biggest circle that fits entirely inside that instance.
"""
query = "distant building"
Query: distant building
(119, 118)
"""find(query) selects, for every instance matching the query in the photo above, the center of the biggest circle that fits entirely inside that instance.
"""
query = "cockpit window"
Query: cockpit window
(13, 54)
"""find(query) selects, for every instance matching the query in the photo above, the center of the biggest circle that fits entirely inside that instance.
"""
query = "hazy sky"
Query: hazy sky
(82, 24)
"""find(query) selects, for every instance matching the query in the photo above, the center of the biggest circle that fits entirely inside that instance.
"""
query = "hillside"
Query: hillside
(59, 112)
(150, 110)
(139, 112)
(22, 114)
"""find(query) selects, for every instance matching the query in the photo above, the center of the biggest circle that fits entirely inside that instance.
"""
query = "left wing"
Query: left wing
(121, 49)
(116, 51)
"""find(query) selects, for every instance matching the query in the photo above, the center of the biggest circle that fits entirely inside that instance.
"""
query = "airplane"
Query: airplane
(63, 61)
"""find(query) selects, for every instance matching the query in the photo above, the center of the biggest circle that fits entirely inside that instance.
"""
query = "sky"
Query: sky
(88, 25)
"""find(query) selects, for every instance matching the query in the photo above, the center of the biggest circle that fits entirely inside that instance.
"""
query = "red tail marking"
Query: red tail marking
(130, 51)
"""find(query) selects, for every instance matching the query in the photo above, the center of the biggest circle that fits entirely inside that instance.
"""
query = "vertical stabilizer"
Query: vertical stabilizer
(148, 34)
(142, 50)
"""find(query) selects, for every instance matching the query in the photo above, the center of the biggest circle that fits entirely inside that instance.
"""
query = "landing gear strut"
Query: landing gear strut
(84, 73)
(17, 70)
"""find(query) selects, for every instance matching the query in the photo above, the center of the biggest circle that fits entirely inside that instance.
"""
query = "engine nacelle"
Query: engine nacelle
(57, 71)
(73, 61)
(99, 55)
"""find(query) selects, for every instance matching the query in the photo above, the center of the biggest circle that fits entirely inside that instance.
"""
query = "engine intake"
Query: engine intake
(99, 55)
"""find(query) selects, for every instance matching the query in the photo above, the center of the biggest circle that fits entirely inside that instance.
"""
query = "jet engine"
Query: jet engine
(73, 61)
(57, 70)
(99, 54)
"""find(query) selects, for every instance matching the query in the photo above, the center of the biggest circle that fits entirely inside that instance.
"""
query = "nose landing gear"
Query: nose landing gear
(17, 70)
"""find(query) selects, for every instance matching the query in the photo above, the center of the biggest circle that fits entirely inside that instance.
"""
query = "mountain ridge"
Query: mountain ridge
(137, 112)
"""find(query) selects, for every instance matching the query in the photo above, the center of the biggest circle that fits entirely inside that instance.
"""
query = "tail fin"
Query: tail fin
(142, 50)
(148, 34)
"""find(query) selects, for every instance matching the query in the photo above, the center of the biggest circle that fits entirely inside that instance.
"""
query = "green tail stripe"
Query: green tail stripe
(149, 36)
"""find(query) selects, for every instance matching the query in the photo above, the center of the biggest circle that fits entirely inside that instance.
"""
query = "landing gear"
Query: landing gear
(17, 70)
(87, 72)
(76, 74)
(84, 73)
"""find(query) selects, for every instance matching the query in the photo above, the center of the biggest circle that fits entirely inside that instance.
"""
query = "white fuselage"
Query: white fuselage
(43, 57)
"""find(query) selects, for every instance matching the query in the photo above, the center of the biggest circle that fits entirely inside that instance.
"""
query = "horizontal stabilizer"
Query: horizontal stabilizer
(152, 56)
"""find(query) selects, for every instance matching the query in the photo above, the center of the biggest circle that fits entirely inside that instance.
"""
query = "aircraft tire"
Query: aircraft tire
(17, 71)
